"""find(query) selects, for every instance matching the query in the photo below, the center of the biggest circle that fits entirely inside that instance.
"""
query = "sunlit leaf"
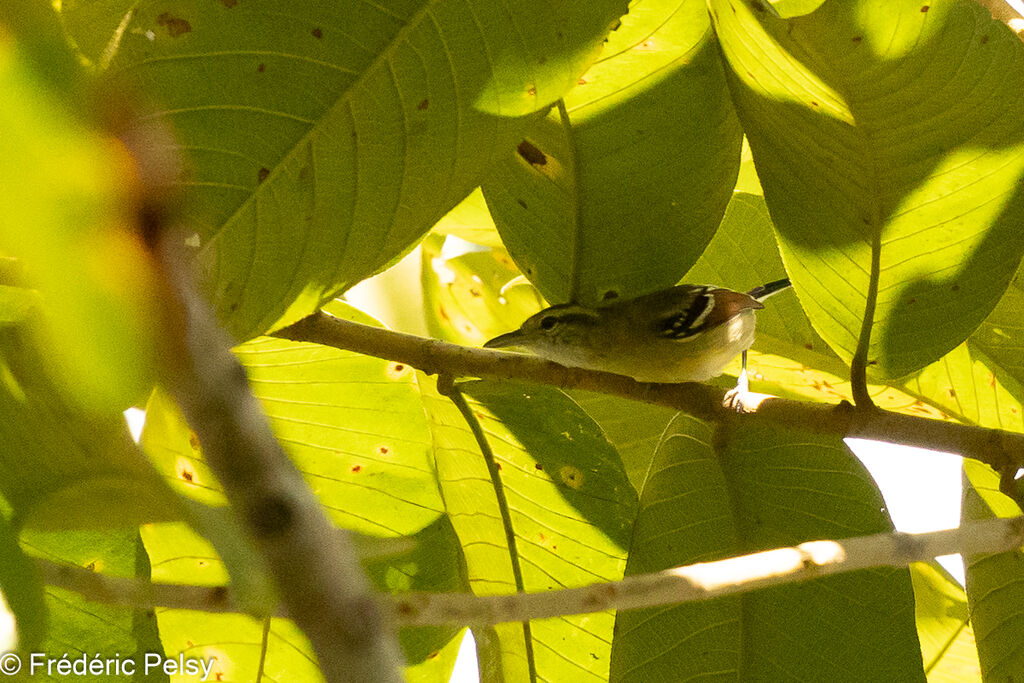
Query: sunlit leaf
(322, 143)
(944, 626)
(889, 138)
(470, 220)
(475, 296)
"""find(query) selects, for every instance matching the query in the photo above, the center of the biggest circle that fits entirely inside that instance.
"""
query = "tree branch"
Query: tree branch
(709, 580)
(315, 568)
(994, 447)
(692, 583)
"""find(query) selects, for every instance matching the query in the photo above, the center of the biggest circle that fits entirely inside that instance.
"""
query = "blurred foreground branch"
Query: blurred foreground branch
(315, 568)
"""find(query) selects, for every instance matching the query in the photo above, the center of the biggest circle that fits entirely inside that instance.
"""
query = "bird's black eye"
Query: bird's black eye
(547, 322)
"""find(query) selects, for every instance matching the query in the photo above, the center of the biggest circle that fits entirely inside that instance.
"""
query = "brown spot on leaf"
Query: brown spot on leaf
(925, 8)
(809, 346)
(261, 67)
(187, 476)
(193, 440)
(956, 288)
(423, 105)
(219, 595)
(383, 450)
(873, 362)
(356, 469)
(521, 203)
(984, 39)
(317, 33)
(813, 103)
(952, 392)
(91, 566)
(434, 654)
(229, 3)
(538, 466)
(262, 174)
(532, 91)
(581, 81)
(531, 154)
(474, 292)
(176, 26)
(857, 39)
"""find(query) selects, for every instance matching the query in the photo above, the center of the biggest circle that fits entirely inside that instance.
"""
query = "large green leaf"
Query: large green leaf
(685, 517)
(322, 142)
(352, 424)
(617, 193)
(889, 138)
(539, 501)
(753, 488)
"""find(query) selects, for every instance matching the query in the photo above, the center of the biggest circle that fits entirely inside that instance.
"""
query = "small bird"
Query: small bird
(687, 333)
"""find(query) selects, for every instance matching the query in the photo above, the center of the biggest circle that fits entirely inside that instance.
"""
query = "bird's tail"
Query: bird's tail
(764, 291)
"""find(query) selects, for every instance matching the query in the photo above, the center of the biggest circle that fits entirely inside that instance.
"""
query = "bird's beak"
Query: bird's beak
(503, 341)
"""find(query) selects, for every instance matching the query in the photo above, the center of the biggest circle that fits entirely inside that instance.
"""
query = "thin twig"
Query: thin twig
(995, 447)
(692, 583)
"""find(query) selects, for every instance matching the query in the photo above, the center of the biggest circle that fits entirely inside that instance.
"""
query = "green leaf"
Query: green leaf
(685, 517)
(60, 468)
(470, 220)
(633, 428)
(995, 583)
(80, 627)
(639, 162)
(889, 143)
(66, 213)
(323, 144)
(352, 424)
(944, 625)
(754, 488)
(22, 591)
(539, 501)
(788, 487)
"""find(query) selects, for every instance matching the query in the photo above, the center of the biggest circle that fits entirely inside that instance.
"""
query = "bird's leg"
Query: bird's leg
(734, 397)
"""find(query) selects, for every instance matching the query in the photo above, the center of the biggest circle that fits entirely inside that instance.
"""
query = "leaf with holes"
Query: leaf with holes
(324, 139)
(617, 193)
(889, 139)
